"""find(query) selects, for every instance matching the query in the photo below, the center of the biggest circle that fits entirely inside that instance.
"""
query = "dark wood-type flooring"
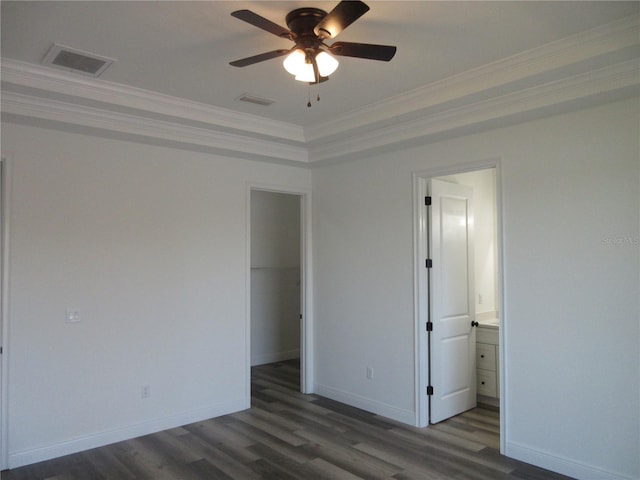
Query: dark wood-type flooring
(288, 435)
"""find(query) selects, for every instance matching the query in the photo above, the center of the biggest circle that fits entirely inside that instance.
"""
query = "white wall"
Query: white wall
(275, 277)
(570, 195)
(149, 244)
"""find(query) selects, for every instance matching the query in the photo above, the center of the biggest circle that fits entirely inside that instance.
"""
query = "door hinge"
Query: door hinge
(427, 201)
(1, 351)
(429, 390)
(428, 263)
(429, 326)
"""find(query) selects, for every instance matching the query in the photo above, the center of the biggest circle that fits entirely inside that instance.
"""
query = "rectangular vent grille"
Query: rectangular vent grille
(71, 59)
(257, 100)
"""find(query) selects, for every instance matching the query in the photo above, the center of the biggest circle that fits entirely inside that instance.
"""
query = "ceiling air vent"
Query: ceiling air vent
(257, 100)
(73, 60)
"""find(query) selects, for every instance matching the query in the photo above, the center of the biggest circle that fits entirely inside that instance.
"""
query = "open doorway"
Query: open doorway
(478, 364)
(275, 277)
(278, 301)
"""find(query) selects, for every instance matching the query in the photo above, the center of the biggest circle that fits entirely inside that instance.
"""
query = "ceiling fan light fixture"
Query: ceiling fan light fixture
(310, 60)
(306, 74)
(295, 62)
(327, 64)
(297, 65)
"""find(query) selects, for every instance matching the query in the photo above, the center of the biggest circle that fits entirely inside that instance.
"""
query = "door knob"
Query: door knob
(474, 323)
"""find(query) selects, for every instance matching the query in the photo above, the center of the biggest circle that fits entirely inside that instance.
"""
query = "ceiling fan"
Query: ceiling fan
(310, 60)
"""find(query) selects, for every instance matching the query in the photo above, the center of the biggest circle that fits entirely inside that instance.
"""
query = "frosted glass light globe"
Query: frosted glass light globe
(326, 64)
(295, 62)
(306, 74)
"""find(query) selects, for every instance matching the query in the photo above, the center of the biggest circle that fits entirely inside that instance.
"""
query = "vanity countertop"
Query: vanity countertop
(493, 323)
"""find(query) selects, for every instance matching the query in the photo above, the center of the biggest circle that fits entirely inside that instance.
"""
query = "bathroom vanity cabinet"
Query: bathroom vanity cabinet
(487, 365)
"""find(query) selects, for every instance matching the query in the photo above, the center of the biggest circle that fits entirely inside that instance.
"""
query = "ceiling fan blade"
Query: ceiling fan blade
(343, 15)
(363, 50)
(261, 22)
(259, 58)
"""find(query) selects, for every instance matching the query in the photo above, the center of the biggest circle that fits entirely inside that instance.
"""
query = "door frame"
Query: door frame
(421, 286)
(306, 284)
(4, 311)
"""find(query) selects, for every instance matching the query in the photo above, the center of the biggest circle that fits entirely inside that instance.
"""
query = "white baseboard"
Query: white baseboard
(561, 465)
(373, 406)
(275, 357)
(27, 457)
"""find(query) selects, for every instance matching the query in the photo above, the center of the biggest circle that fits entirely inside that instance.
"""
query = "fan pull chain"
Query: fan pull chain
(309, 94)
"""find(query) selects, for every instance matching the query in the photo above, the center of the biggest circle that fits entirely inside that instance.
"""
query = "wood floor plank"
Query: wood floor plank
(108, 464)
(272, 442)
(223, 457)
(349, 459)
(437, 437)
(470, 434)
(495, 463)
(250, 417)
(275, 459)
(288, 435)
(353, 413)
(323, 470)
(304, 417)
(126, 455)
(303, 403)
(411, 461)
(219, 434)
(284, 422)
(233, 452)
(267, 469)
(409, 474)
(205, 469)
(151, 455)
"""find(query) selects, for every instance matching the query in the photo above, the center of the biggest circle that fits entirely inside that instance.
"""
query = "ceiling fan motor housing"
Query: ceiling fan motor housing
(301, 22)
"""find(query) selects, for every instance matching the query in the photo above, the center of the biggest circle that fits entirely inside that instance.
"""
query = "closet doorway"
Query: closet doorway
(278, 280)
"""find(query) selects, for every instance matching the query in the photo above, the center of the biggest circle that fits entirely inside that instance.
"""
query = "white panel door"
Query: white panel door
(452, 307)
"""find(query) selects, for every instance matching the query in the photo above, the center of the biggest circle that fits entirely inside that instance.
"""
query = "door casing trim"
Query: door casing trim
(421, 286)
(4, 311)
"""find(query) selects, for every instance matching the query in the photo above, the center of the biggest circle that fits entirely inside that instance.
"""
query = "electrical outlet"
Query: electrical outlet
(145, 391)
(369, 373)
(480, 299)
(72, 315)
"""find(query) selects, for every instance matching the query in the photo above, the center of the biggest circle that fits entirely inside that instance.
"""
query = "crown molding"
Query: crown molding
(133, 125)
(599, 42)
(583, 87)
(578, 69)
(623, 77)
(93, 89)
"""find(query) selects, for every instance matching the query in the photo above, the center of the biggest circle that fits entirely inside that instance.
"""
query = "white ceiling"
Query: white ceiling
(182, 49)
